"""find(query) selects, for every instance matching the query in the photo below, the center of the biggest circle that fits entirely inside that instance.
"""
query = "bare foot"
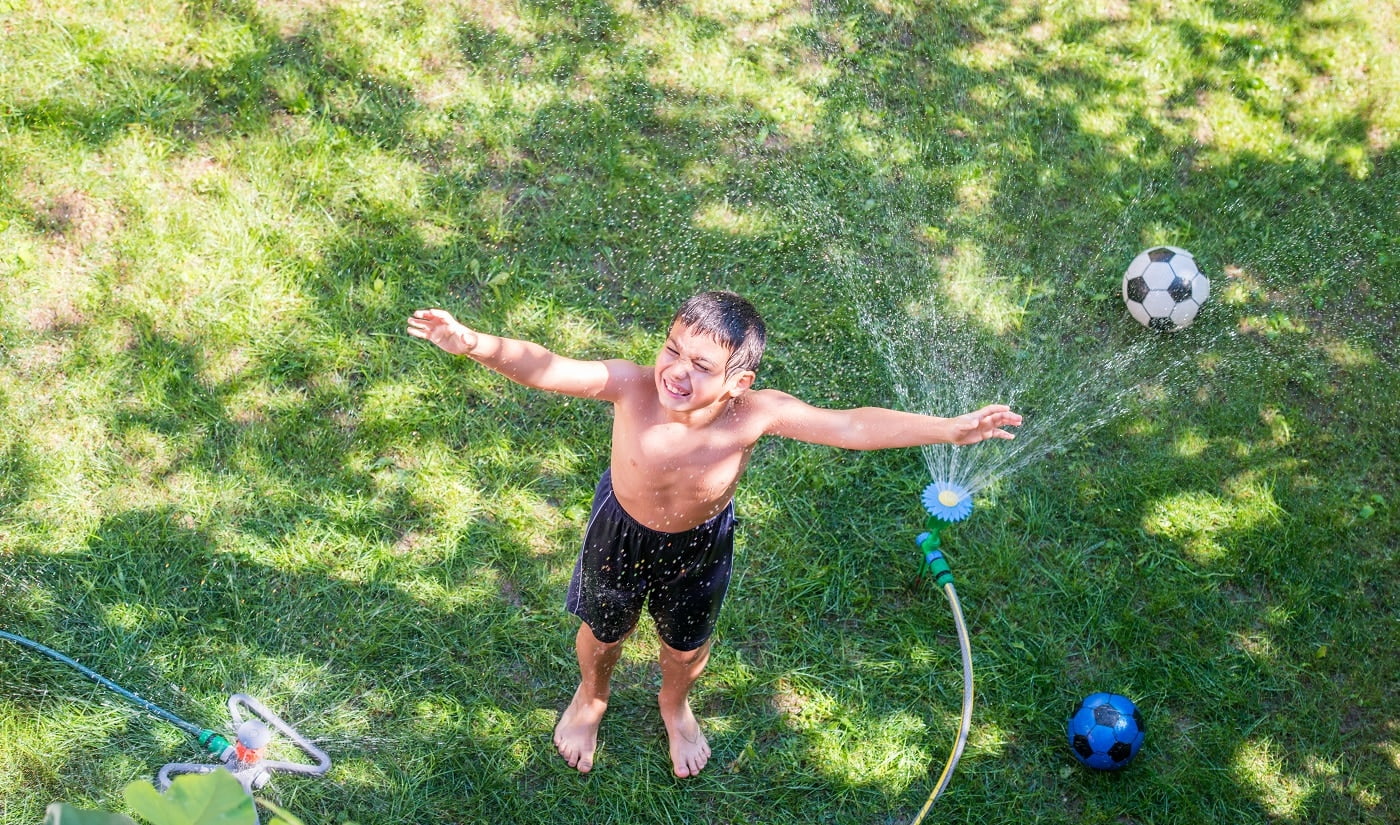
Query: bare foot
(576, 735)
(689, 750)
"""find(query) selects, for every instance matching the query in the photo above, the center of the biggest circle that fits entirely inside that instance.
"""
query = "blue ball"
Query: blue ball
(1106, 731)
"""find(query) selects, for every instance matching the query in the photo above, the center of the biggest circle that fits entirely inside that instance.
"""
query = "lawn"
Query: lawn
(225, 468)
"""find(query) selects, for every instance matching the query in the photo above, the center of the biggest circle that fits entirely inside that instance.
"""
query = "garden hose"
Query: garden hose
(947, 503)
(215, 744)
(966, 645)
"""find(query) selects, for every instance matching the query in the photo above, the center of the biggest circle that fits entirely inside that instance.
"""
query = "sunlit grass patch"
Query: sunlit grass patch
(1199, 519)
(884, 752)
(976, 289)
(758, 67)
(1282, 794)
(724, 217)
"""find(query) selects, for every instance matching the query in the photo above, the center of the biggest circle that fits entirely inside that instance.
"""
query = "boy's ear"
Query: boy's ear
(741, 382)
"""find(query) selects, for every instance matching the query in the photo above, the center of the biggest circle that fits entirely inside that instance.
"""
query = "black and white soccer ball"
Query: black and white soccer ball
(1164, 289)
(1105, 731)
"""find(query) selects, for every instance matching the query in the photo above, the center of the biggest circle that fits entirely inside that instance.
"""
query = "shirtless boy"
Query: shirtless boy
(662, 524)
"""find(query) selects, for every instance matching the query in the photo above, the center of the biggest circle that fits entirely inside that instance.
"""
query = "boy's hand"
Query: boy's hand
(983, 424)
(438, 326)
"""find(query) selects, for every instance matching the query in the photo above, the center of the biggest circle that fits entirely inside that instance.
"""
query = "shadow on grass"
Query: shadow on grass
(363, 666)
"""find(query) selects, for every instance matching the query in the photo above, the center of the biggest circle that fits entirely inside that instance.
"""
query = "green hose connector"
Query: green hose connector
(934, 566)
(219, 747)
(937, 567)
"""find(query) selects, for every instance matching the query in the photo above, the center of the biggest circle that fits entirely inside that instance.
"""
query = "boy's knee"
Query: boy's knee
(685, 657)
(593, 637)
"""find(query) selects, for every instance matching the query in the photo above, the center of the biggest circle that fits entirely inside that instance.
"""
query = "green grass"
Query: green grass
(224, 467)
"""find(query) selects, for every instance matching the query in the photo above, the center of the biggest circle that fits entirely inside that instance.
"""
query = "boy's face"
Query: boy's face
(690, 371)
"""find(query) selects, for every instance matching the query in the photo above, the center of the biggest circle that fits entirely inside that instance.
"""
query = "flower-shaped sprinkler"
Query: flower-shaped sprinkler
(947, 503)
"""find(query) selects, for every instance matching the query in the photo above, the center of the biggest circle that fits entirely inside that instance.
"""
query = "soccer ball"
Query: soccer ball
(1106, 731)
(1164, 289)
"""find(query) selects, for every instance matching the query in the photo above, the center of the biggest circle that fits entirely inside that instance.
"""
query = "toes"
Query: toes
(691, 765)
(581, 762)
(566, 751)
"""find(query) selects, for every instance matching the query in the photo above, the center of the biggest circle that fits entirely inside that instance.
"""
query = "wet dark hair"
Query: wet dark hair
(731, 321)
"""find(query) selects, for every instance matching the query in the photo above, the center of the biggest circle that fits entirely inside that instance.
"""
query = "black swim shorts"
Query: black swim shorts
(680, 577)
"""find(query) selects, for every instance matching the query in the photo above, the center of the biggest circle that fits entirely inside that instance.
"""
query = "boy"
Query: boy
(662, 524)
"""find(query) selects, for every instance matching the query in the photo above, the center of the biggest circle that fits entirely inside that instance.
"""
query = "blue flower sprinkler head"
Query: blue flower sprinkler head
(947, 502)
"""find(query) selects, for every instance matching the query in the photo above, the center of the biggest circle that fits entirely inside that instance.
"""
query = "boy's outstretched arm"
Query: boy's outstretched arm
(523, 362)
(877, 428)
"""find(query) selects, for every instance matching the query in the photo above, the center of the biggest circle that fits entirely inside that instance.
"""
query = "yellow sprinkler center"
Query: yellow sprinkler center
(948, 498)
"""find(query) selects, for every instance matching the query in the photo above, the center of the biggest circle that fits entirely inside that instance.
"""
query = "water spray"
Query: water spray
(244, 756)
(947, 503)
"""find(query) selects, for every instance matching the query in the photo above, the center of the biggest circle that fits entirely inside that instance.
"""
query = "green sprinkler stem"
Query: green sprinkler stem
(929, 542)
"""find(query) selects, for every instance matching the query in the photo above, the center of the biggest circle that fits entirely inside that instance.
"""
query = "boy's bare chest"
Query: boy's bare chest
(671, 476)
(669, 447)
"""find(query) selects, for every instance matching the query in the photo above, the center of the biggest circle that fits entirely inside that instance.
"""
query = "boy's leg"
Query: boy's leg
(576, 735)
(679, 670)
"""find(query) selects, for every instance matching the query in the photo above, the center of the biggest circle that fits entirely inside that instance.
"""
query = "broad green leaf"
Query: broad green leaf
(214, 798)
(61, 813)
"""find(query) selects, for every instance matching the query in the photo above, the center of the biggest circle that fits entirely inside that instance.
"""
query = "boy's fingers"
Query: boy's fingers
(998, 414)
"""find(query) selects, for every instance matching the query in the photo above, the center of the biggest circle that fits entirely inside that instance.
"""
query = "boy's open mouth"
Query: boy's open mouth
(674, 389)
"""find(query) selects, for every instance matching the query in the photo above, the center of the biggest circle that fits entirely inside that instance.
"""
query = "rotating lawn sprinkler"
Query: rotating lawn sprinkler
(244, 757)
(947, 503)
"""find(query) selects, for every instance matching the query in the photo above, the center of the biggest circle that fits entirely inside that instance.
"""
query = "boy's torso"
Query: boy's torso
(671, 475)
